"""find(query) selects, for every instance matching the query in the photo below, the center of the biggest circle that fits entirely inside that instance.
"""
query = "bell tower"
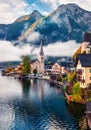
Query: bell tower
(41, 59)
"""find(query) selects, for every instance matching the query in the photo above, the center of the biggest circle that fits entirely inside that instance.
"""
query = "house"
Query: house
(85, 47)
(18, 69)
(56, 68)
(83, 69)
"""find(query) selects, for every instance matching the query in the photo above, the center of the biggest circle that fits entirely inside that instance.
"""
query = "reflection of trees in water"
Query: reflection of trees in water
(29, 109)
(26, 87)
(77, 110)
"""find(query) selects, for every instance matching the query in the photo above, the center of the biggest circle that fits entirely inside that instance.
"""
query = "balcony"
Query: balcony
(83, 80)
(79, 79)
(79, 72)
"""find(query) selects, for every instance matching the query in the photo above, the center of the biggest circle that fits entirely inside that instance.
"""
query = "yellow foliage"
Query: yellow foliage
(78, 51)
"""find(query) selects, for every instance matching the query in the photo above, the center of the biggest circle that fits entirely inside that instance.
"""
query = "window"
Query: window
(90, 70)
(83, 70)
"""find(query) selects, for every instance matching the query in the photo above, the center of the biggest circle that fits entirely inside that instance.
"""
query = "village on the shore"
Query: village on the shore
(74, 77)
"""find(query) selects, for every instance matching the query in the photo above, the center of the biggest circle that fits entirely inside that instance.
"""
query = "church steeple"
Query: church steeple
(41, 58)
(41, 49)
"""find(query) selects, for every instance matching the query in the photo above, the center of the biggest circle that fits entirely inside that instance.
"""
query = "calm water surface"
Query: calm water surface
(34, 105)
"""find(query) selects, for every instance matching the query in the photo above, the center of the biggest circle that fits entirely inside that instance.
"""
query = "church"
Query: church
(38, 64)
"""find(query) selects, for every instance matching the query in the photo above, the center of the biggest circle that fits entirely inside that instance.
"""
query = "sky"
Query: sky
(10, 10)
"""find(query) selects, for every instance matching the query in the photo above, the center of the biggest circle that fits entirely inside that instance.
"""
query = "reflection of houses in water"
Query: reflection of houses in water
(40, 89)
(88, 113)
(37, 89)
(77, 110)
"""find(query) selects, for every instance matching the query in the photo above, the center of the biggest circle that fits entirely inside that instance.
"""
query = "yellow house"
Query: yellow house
(83, 68)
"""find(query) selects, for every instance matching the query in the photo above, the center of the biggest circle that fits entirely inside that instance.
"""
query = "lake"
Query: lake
(35, 105)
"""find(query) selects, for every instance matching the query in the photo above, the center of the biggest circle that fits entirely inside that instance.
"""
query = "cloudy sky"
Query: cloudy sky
(10, 10)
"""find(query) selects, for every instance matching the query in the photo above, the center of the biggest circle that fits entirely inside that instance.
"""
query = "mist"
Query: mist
(9, 52)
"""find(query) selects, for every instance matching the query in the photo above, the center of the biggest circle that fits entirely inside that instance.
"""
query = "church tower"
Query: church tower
(41, 59)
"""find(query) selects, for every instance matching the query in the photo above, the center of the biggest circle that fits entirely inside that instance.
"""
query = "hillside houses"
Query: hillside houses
(82, 59)
(83, 70)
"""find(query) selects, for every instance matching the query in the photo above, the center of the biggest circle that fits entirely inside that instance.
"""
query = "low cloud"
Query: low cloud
(61, 49)
(9, 52)
(34, 36)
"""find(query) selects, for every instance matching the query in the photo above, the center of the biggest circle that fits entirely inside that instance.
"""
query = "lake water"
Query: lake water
(35, 105)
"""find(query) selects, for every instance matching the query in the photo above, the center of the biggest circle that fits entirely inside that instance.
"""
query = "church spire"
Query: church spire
(41, 49)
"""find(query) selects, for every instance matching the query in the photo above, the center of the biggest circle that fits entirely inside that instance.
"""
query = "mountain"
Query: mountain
(16, 29)
(67, 22)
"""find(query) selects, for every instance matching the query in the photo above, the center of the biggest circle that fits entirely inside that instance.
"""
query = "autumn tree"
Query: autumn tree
(72, 76)
(77, 91)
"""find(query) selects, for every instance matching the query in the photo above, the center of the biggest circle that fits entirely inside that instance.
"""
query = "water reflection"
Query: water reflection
(77, 110)
(26, 87)
(34, 105)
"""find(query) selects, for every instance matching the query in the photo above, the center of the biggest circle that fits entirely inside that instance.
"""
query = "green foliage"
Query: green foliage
(89, 99)
(26, 65)
(65, 88)
(35, 71)
(65, 78)
(77, 90)
(72, 77)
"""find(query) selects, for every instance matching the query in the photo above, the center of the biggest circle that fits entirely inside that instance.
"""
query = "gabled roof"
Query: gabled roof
(33, 61)
(85, 60)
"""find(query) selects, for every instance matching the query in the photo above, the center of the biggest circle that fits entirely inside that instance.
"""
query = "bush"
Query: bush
(77, 89)
(64, 78)
(65, 88)
(35, 71)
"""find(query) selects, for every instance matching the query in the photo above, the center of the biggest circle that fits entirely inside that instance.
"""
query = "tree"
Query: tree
(72, 76)
(35, 71)
(26, 65)
(65, 78)
(77, 89)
